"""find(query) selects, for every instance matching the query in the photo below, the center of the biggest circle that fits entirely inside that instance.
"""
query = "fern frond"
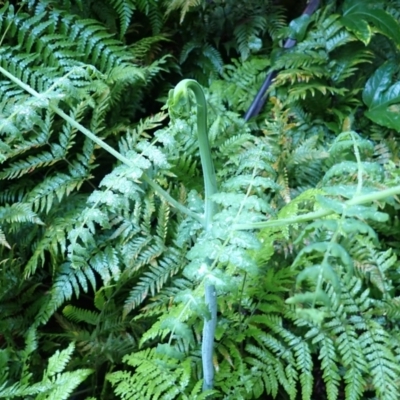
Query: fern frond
(157, 376)
(183, 5)
(382, 363)
(125, 9)
(247, 35)
(54, 384)
(79, 315)
(54, 239)
(17, 213)
(152, 281)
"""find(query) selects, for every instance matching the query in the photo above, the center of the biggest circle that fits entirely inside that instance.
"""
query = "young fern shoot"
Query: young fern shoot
(210, 188)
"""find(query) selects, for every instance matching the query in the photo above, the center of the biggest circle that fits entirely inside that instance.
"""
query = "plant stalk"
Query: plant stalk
(210, 188)
(366, 198)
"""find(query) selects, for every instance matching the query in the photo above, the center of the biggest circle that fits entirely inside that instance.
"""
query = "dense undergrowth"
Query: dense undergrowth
(108, 239)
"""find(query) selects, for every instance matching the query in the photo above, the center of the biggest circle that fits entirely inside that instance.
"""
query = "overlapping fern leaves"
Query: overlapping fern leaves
(90, 249)
(55, 382)
(342, 272)
(220, 30)
(48, 170)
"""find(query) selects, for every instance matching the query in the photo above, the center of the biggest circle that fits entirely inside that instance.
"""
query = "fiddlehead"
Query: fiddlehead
(210, 188)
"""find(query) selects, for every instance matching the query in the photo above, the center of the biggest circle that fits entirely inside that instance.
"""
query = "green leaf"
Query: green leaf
(311, 314)
(363, 212)
(330, 204)
(59, 360)
(255, 43)
(359, 27)
(313, 273)
(298, 27)
(378, 83)
(318, 297)
(367, 10)
(382, 99)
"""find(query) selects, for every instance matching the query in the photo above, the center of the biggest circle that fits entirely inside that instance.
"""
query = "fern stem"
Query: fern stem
(359, 164)
(210, 181)
(207, 345)
(366, 198)
(105, 146)
(210, 188)
(128, 162)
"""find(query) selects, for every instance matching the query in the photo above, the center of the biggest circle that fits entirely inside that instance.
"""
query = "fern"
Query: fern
(113, 258)
(56, 383)
(183, 5)
(125, 9)
(247, 35)
(172, 377)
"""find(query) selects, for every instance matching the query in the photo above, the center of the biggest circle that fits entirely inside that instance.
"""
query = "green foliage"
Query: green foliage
(109, 258)
(16, 381)
(381, 98)
(219, 30)
(49, 170)
(157, 376)
(357, 17)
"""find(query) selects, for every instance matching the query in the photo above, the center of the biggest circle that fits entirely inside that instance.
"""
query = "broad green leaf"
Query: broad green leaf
(339, 251)
(382, 99)
(359, 27)
(335, 250)
(352, 225)
(378, 83)
(298, 27)
(368, 10)
(177, 327)
(169, 351)
(255, 43)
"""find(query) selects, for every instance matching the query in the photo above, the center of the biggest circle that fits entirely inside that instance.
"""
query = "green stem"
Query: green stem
(210, 188)
(210, 181)
(366, 198)
(105, 146)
